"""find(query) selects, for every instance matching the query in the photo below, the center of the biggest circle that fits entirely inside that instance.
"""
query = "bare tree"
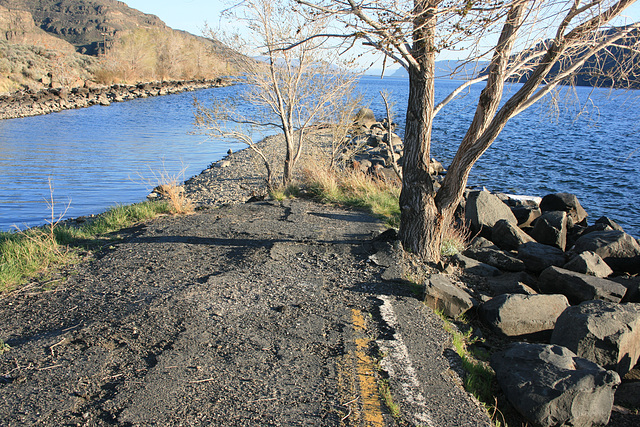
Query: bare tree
(292, 90)
(541, 42)
(391, 149)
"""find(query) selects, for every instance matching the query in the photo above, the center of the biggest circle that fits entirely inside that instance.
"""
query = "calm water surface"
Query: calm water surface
(587, 142)
(98, 157)
(101, 156)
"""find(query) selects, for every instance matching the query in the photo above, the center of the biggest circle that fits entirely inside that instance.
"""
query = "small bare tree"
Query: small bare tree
(391, 151)
(291, 90)
(544, 43)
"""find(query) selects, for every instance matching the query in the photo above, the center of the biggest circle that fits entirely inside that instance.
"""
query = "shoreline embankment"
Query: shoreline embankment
(28, 103)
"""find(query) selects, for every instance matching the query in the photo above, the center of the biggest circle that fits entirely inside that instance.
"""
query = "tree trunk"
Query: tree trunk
(420, 221)
(287, 174)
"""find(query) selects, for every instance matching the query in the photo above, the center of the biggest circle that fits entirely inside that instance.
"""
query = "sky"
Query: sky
(191, 15)
(187, 15)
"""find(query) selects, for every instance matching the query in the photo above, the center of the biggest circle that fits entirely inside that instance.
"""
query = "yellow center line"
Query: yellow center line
(365, 369)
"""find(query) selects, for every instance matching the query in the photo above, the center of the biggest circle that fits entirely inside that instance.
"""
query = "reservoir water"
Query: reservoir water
(101, 156)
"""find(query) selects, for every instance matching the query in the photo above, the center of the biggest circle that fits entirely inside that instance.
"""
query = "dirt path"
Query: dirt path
(256, 314)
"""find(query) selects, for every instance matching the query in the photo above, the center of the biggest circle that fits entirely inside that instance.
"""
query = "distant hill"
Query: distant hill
(614, 67)
(68, 42)
(84, 23)
(450, 69)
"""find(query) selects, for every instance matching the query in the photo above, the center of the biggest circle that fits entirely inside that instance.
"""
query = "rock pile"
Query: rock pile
(566, 294)
(375, 149)
(33, 103)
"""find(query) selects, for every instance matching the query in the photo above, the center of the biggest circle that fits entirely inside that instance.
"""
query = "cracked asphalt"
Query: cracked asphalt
(258, 314)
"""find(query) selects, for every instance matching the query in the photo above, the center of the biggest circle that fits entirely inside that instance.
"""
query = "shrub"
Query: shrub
(455, 238)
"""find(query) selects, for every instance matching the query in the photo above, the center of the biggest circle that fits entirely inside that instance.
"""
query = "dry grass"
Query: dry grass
(354, 188)
(455, 238)
(168, 186)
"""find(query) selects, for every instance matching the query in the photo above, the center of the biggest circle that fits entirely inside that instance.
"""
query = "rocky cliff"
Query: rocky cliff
(84, 23)
(18, 27)
(70, 43)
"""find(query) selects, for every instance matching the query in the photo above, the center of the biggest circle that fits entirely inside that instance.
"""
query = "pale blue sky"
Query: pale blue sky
(191, 15)
(188, 15)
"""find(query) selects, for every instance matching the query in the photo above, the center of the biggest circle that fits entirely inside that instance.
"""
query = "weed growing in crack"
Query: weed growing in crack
(4, 347)
(479, 377)
(385, 393)
(455, 239)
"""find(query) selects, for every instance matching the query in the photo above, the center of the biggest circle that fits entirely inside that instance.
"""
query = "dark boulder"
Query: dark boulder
(518, 315)
(565, 202)
(603, 220)
(605, 333)
(551, 229)
(442, 295)
(508, 236)
(589, 263)
(483, 210)
(579, 287)
(476, 267)
(618, 249)
(551, 386)
(538, 257)
(496, 258)
(526, 215)
(512, 283)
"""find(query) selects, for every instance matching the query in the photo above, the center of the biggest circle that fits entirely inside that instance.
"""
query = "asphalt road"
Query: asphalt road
(260, 314)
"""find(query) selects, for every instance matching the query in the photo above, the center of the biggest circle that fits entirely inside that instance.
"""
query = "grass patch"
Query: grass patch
(354, 188)
(385, 393)
(479, 377)
(283, 193)
(4, 347)
(28, 254)
(455, 239)
(40, 251)
(117, 218)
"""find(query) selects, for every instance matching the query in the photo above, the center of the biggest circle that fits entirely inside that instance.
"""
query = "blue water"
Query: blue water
(101, 156)
(586, 142)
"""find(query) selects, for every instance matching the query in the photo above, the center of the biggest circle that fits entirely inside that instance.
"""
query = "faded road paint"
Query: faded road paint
(366, 371)
(397, 363)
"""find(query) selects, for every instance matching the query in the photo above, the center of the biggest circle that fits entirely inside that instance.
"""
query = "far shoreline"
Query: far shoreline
(30, 103)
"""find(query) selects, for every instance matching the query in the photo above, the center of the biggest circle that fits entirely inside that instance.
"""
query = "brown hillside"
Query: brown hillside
(85, 23)
(18, 27)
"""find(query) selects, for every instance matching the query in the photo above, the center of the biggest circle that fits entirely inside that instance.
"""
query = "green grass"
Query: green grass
(4, 347)
(354, 188)
(119, 217)
(37, 253)
(479, 377)
(385, 392)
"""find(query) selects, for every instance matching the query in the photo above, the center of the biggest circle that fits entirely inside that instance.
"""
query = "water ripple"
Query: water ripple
(94, 155)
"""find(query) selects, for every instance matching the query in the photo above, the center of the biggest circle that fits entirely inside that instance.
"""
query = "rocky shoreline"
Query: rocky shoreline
(554, 299)
(27, 103)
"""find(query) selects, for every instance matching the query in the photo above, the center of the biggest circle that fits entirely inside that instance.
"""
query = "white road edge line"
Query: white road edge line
(397, 364)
